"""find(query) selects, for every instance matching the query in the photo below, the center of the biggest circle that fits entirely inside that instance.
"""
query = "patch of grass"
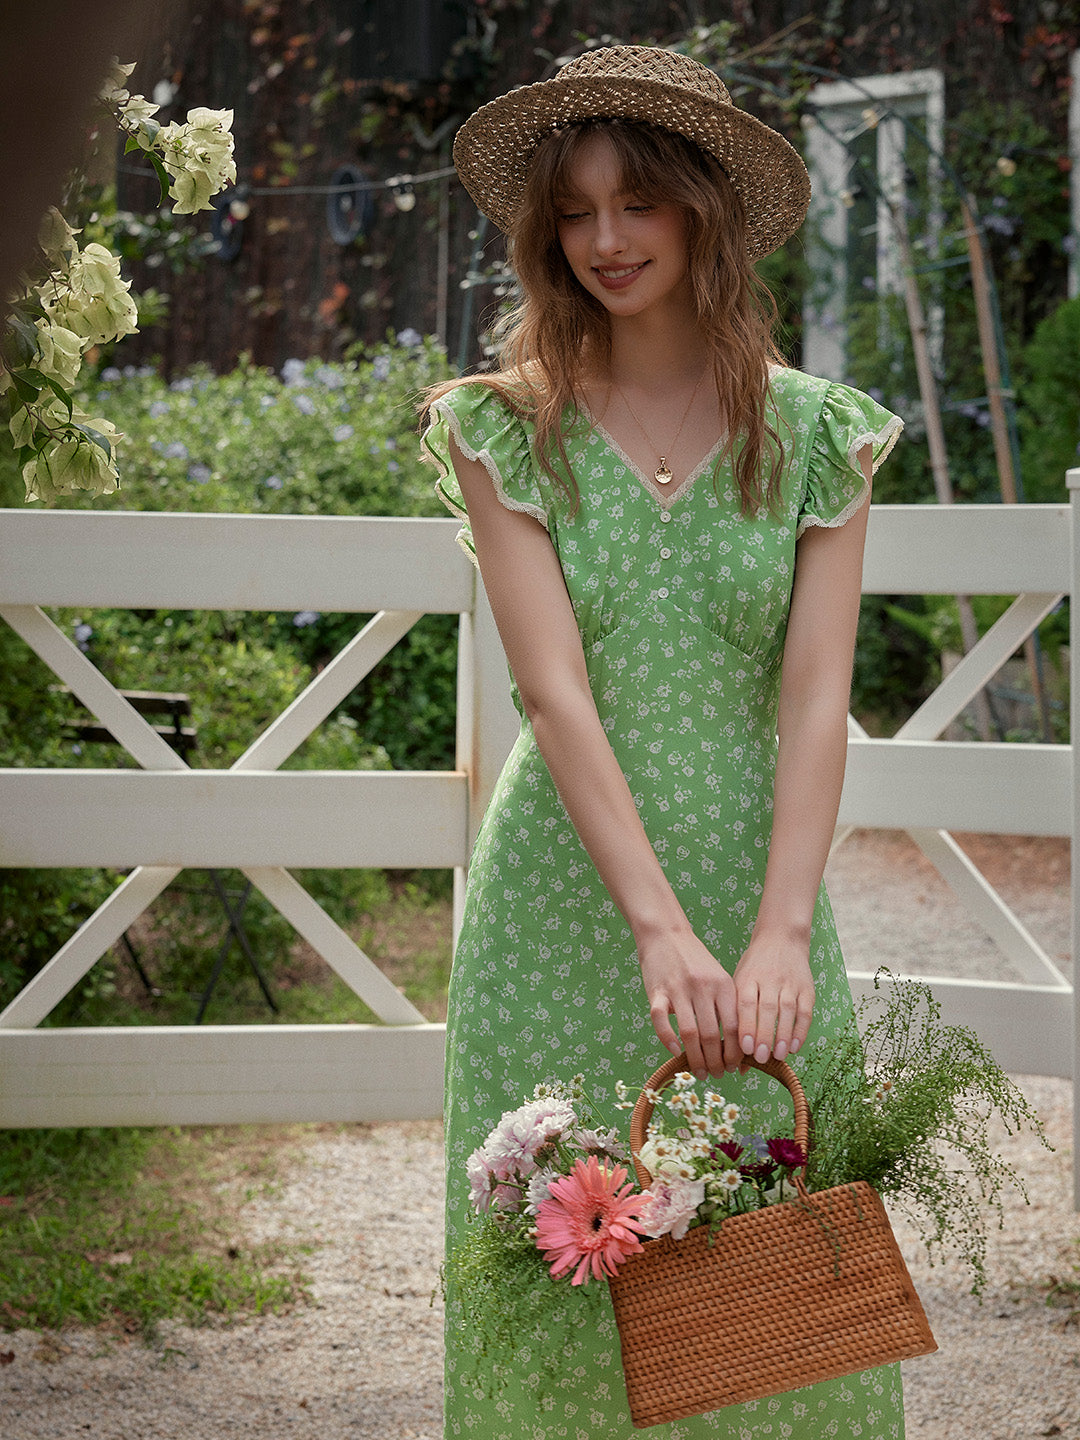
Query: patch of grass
(126, 1228)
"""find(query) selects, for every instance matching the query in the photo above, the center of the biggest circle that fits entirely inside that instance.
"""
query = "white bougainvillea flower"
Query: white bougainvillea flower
(198, 154)
(114, 87)
(76, 463)
(60, 353)
(134, 112)
(91, 299)
(56, 237)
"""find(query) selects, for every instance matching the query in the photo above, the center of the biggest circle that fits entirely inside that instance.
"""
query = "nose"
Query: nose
(609, 239)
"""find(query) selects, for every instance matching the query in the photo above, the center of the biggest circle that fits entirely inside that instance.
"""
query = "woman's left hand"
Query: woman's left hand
(774, 993)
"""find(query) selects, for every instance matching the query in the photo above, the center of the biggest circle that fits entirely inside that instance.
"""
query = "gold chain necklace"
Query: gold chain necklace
(662, 474)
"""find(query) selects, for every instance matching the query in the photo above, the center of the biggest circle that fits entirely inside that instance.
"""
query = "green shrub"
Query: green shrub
(1050, 403)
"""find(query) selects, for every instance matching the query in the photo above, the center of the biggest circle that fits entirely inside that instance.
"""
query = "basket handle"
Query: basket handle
(661, 1078)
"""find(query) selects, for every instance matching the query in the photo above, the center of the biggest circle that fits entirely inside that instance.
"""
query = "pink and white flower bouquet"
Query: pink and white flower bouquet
(554, 1203)
(546, 1179)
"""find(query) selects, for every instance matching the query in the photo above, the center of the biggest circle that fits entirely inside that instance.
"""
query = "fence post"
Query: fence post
(1072, 480)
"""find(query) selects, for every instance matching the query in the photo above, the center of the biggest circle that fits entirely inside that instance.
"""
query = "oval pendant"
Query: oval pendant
(662, 475)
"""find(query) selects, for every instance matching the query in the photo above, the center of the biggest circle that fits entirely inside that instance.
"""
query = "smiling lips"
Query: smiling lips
(618, 277)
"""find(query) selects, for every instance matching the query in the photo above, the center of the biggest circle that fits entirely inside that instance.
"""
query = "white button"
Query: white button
(665, 516)
(665, 554)
(662, 592)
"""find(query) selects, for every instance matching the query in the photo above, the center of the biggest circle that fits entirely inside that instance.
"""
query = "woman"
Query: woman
(661, 514)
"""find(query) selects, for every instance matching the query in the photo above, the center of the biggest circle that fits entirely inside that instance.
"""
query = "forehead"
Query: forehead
(591, 165)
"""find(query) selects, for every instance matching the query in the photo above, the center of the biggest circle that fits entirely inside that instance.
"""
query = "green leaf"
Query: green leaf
(26, 390)
(163, 176)
(21, 341)
(60, 393)
(132, 143)
(96, 437)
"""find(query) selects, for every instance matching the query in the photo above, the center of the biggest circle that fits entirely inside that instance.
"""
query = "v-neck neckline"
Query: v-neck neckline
(666, 497)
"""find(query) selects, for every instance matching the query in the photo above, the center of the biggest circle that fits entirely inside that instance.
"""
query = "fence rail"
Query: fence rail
(164, 817)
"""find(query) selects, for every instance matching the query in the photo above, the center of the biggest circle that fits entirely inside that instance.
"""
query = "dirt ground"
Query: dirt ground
(364, 1362)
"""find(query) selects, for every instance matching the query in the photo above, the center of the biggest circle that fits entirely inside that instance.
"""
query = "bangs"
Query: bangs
(653, 164)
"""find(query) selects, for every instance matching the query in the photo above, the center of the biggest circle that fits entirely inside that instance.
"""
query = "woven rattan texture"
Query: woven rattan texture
(781, 1298)
(495, 146)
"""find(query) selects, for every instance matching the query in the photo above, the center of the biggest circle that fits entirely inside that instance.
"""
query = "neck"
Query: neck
(652, 353)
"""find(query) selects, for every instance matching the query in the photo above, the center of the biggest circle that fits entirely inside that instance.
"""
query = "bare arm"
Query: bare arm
(773, 981)
(536, 623)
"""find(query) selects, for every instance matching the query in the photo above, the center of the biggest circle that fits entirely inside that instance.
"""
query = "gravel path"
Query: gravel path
(363, 1363)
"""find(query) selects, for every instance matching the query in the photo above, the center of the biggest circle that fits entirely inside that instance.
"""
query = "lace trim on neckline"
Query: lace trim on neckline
(665, 496)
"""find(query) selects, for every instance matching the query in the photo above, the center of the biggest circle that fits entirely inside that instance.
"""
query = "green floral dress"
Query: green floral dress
(682, 603)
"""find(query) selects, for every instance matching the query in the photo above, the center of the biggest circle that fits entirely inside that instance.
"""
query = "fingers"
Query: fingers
(702, 1032)
(703, 1043)
(773, 1022)
(660, 1014)
(751, 1033)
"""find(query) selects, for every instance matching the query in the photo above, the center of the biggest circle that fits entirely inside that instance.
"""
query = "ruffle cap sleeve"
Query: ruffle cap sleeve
(485, 429)
(835, 484)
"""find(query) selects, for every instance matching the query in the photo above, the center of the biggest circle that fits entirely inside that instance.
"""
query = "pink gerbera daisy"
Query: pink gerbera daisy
(588, 1221)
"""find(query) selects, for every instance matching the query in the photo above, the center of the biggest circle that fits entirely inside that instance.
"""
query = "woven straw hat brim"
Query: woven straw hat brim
(493, 149)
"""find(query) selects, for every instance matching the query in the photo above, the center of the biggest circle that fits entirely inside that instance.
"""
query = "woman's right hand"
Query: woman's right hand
(684, 980)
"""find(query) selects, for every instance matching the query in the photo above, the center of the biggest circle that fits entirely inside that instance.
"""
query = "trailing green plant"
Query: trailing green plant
(905, 1101)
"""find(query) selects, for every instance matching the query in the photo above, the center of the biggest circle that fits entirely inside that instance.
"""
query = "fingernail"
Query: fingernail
(781, 1050)
(795, 1045)
(748, 1044)
(761, 1054)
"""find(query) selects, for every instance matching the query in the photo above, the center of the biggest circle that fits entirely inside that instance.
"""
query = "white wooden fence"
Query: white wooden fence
(164, 817)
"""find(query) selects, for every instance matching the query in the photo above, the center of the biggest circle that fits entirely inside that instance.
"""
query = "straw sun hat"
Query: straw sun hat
(495, 146)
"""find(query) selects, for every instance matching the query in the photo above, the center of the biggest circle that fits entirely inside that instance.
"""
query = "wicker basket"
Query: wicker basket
(780, 1298)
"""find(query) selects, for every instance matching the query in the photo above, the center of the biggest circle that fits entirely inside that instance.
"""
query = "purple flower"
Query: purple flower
(292, 372)
(409, 337)
(199, 473)
(306, 617)
(344, 432)
(273, 482)
(175, 450)
(380, 368)
(159, 408)
(304, 404)
(329, 378)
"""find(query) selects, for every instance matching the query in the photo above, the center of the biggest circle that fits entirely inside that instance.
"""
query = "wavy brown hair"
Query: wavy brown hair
(559, 335)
